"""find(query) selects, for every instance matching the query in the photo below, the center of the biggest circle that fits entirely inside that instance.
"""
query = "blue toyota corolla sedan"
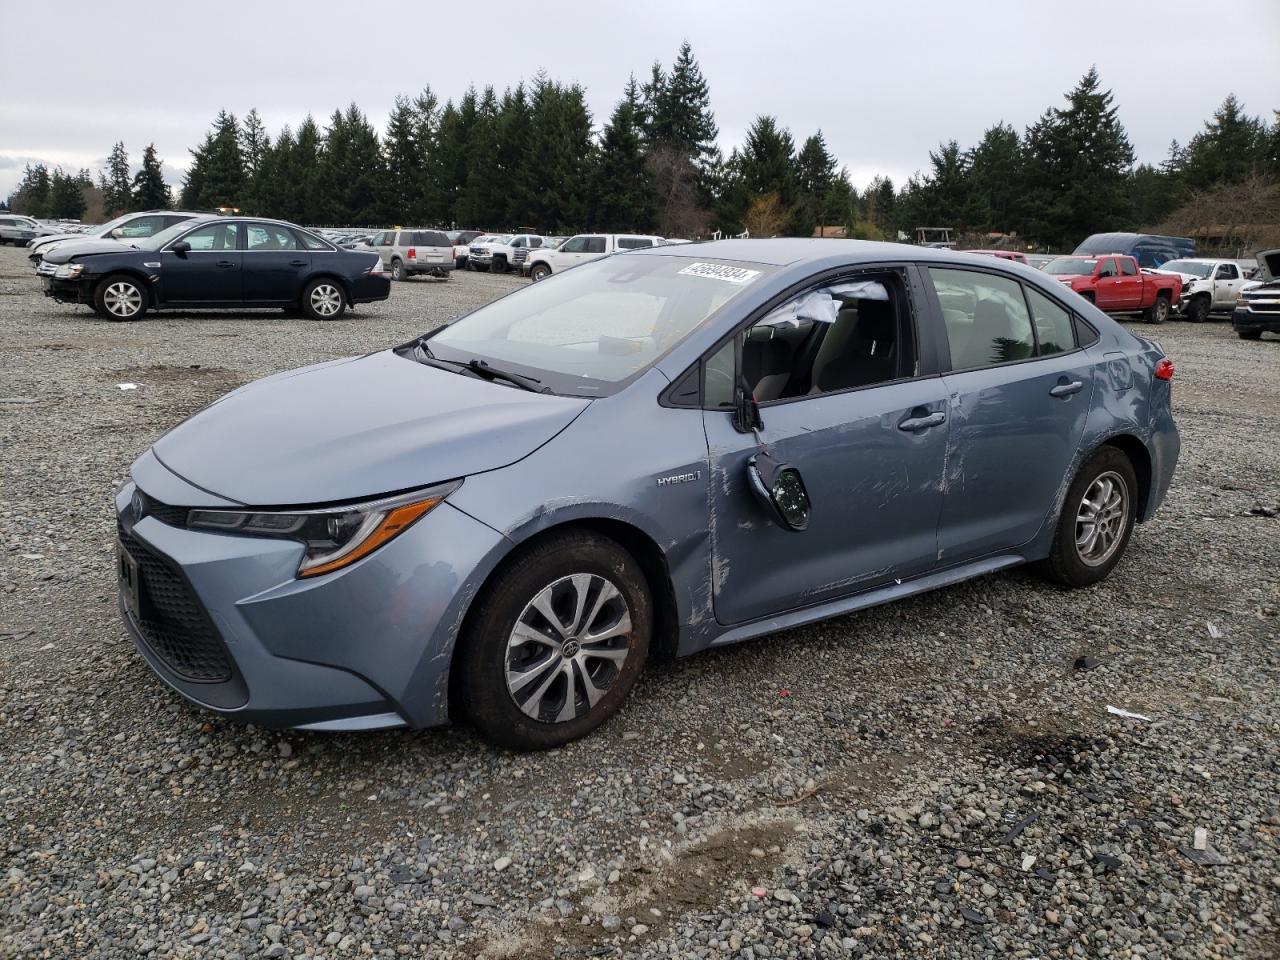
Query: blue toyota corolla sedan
(660, 451)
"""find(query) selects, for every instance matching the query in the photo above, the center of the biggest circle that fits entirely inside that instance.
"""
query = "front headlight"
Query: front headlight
(69, 271)
(334, 538)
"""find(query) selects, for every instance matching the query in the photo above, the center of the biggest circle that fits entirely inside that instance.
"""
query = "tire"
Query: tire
(540, 271)
(324, 299)
(1249, 334)
(1158, 312)
(1106, 475)
(468, 265)
(499, 265)
(121, 298)
(553, 574)
(1198, 311)
(397, 270)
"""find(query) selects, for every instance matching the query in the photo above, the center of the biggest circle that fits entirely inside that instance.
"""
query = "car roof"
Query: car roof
(788, 251)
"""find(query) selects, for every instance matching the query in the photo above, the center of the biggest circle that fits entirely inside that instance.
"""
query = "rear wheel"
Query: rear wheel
(540, 271)
(121, 298)
(1249, 334)
(323, 299)
(1096, 522)
(556, 642)
(1158, 312)
(397, 269)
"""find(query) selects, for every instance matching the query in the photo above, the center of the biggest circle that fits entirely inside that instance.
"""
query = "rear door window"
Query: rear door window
(269, 236)
(985, 316)
(594, 245)
(1052, 323)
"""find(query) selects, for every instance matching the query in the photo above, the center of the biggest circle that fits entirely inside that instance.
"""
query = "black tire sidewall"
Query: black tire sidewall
(1199, 310)
(310, 312)
(1064, 562)
(100, 291)
(539, 273)
(397, 270)
(483, 648)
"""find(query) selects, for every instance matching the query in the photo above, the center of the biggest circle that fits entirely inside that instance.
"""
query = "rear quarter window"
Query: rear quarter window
(633, 243)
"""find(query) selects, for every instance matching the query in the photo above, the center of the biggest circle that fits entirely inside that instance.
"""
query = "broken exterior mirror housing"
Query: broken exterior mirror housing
(746, 412)
(780, 488)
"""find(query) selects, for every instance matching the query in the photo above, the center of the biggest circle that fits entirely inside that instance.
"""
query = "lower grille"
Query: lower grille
(174, 624)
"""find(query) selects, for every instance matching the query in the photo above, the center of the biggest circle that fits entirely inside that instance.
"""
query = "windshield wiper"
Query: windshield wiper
(480, 368)
(486, 369)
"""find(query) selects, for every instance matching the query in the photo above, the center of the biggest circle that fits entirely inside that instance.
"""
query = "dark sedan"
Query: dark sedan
(216, 262)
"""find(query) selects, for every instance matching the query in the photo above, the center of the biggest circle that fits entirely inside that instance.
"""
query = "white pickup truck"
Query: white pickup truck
(1208, 285)
(581, 248)
(502, 252)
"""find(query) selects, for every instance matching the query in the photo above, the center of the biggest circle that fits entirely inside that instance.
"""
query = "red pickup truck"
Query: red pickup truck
(1116, 284)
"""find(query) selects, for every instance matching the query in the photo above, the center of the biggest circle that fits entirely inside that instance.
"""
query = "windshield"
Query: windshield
(1070, 266)
(598, 324)
(110, 225)
(158, 240)
(1188, 266)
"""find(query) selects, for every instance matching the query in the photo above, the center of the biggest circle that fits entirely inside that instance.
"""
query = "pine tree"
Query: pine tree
(305, 162)
(275, 177)
(995, 179)
(1231, 147)
(768, 160)
(513, 124)
(561, 153)
(880, 202)
(216, 177)
(117, 185)
(66, 196)
(621, 194)
(31, 197)
(448, 165)
(428, 205)
(254, 143)
(402, 190)
(150, 192)
(682, 109)
(1076, 163)
(351, 172)
(482, 195)
(815, 176)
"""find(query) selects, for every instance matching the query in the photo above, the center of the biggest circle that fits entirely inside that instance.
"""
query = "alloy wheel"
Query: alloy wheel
(122, 299)
(567, 647)
(326, 300)
(1101, 518)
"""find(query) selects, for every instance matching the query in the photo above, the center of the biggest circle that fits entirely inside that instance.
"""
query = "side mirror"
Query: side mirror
(746, 412)
(779, 487)
(117, 233)
(181, 248)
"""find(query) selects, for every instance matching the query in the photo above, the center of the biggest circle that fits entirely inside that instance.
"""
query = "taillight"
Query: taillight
(1164, 369)
(413, 254)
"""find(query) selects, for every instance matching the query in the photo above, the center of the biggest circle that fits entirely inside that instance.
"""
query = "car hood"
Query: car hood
(353, 429)
(1187, 278)
(72, 248)
(1269, 261)
(50, 239)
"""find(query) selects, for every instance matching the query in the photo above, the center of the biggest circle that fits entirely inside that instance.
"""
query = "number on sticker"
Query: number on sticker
(718, 271)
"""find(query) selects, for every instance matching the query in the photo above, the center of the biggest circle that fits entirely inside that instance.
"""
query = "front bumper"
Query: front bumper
(365, 647)
(68, 291)
(1266, 319)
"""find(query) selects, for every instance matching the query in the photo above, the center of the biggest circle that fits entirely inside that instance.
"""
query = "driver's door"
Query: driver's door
(207, 273)
(868, 441)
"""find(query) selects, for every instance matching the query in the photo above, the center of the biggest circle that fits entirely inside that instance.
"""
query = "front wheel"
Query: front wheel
(1158, 312)
(1198, 312)
(540, 271)
(121, 298)
(323, 300)
(1096, 522)
(556, 642)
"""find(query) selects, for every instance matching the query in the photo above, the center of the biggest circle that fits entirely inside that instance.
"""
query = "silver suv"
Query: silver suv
(406, 252)
(19, 230)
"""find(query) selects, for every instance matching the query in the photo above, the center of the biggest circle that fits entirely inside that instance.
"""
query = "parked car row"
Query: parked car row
(20, 230)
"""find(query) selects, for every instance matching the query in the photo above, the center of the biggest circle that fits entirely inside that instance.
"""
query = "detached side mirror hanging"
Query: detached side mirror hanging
(746, 412)
(779, 487)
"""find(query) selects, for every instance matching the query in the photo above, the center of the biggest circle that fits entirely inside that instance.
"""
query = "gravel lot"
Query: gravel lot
(935, 778)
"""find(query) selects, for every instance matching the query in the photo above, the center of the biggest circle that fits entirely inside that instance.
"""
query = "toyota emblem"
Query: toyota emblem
(138, 505)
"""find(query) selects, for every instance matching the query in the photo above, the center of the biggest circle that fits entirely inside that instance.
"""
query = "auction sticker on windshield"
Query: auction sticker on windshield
(717, 271)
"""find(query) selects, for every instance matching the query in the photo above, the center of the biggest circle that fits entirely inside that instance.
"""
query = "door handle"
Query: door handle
(297, 263)
(226, 263)
(916, 424)
(1067, 389)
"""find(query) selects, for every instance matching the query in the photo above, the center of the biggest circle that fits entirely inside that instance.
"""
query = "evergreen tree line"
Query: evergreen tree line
(530, 158)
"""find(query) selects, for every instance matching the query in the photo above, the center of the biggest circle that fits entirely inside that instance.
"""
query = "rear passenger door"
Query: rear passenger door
(1019, 390)
(274, 264)
(1130, 284)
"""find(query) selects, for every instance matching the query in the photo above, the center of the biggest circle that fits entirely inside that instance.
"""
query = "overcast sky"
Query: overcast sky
(884, 81)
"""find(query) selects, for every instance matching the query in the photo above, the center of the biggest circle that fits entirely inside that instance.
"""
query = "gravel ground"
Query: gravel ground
(939, 777)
